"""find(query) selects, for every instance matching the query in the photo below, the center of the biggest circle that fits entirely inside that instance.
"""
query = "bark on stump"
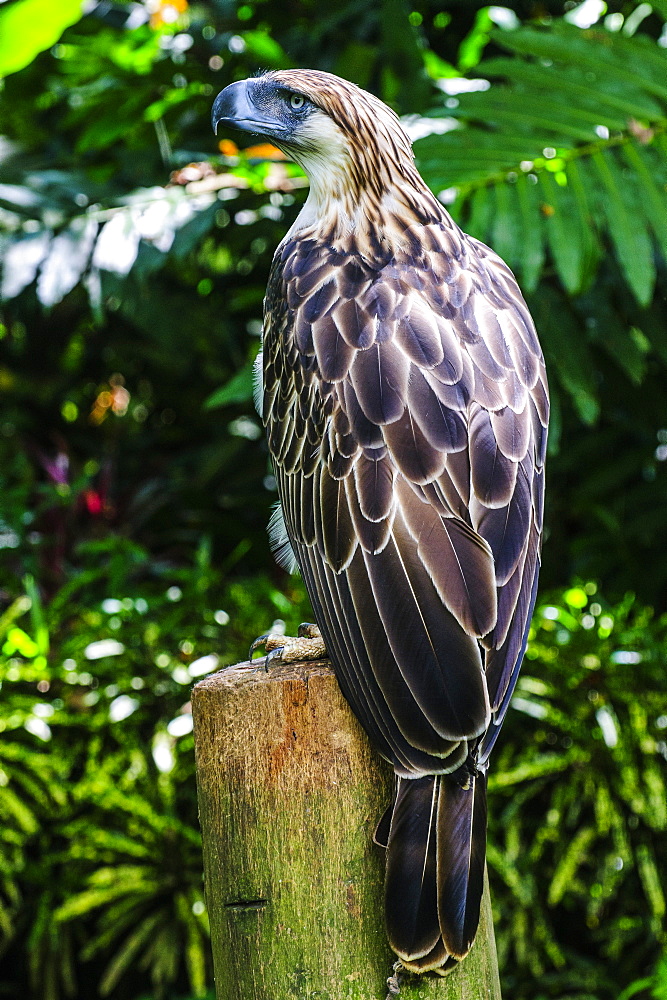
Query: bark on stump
(290, 791)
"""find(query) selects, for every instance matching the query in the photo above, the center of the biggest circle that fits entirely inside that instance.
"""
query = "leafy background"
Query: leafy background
(135, 484)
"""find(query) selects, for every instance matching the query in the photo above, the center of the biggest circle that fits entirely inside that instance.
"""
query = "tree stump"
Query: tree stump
(290, 791)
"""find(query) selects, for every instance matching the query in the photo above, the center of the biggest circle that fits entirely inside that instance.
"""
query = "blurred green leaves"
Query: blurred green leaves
(237, 390)
(30, 26)
(578, 822)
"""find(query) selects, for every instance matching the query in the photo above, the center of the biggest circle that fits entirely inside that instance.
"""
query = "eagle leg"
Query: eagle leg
(308, 644)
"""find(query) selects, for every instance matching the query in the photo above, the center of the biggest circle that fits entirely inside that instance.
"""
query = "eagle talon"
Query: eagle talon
(259, 641)
(273, 654)
(306, 645)
(273, 643)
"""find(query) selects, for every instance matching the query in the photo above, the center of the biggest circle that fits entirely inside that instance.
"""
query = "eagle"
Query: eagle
(405, 402)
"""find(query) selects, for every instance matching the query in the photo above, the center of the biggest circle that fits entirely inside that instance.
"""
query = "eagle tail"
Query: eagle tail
(436, 849)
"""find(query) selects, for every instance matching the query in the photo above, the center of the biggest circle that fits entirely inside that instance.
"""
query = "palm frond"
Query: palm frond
(566, 151)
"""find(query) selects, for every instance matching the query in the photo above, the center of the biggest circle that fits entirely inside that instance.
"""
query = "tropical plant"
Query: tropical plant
(135, 486)
(578, 800)
(100, 857)
(124, 224)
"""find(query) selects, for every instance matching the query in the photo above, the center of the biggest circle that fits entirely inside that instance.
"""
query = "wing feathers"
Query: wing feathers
(419, 336)
(458, 560)
(493, 475)
(338, 538)
(334, 355)
(406, 409)
(505, 529)
(372, 534)
(380, 379)
(356, 323)
(443, 427)
(416, 459)
(374, 486)
(439, 662)
(408, 725)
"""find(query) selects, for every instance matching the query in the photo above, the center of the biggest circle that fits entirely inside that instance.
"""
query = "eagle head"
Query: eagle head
(353, 148)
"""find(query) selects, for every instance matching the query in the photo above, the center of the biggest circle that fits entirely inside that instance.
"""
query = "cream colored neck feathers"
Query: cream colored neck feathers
(364, 187)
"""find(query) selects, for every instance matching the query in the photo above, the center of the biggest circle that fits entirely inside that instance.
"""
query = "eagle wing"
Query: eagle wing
(406, 407)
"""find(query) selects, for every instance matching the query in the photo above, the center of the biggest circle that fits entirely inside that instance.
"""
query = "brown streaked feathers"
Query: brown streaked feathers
(406, 406)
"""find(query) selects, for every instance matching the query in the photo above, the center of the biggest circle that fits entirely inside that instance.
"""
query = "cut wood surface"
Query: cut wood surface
(290, 791)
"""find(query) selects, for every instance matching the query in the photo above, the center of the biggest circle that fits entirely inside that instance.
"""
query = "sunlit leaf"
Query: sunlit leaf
(505, 236)
(126, 954)
(654, 196)
(540, 766)
(21, 261)
(473, 44)
(67, 259)
(117, 245)
(562, 235)
(570, 862)
(27, 27)
(651, 881)
(266, 49)
(479, 221)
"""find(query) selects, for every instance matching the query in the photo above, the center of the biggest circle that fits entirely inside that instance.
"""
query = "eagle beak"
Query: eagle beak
(234, 108)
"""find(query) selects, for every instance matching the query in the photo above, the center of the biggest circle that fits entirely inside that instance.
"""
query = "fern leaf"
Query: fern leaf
(627, 229)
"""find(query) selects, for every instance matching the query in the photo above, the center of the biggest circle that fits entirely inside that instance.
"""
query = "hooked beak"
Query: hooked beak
(234, 107)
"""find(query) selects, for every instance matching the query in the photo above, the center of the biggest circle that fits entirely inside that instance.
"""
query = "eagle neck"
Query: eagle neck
(371, 220)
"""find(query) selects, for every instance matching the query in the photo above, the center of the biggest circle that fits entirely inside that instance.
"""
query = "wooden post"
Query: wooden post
(290, 791)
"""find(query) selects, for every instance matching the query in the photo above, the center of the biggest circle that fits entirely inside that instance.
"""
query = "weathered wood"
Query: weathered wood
(289, 794)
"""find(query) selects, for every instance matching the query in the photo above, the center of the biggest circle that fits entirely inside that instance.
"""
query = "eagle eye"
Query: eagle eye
(297, 101)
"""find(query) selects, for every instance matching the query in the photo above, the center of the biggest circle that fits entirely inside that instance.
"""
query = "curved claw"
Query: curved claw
(273, 654)
(259, 641)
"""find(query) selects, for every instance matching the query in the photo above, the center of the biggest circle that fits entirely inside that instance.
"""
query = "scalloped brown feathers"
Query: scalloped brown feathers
(406, 407)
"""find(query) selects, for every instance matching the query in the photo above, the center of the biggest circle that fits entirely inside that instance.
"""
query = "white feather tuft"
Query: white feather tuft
(258, 382)
(279, 541)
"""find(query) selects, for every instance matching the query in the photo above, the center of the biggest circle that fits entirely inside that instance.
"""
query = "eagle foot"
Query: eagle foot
(306, 645)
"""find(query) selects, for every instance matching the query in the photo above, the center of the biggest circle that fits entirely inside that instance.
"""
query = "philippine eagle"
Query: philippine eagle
(405, 402)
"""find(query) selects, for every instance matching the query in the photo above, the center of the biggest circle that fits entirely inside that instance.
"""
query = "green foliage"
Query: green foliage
(135, 485)
(578, 800)
(100, 855)
(30, 26)
(100, 852)
(656, 984)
